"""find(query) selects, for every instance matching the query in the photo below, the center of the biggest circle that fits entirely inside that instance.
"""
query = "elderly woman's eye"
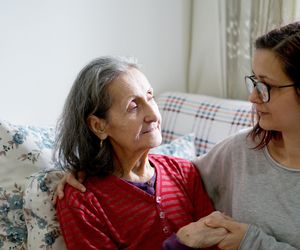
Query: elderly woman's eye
(150, 96)
(132, 106)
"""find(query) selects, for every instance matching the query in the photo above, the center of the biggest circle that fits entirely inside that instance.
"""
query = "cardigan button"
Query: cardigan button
(166, 230)
(162, 215)
(158, 199)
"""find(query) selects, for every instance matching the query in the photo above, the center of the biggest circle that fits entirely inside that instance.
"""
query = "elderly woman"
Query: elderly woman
(133, 200)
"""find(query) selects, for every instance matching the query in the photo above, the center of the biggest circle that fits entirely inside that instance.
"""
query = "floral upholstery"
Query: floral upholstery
(42, 225)
(23, 151)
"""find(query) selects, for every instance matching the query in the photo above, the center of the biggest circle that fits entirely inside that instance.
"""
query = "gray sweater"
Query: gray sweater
(253, 188)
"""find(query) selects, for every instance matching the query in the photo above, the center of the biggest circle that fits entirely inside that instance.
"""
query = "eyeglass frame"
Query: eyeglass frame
(268, 87)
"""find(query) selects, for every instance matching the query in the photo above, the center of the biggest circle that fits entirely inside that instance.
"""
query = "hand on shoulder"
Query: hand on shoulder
(73, 179)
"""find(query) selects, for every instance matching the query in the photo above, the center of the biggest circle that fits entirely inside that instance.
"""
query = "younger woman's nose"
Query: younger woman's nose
(254, 97)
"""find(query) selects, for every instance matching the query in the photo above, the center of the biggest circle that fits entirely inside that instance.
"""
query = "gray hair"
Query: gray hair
(77, 147)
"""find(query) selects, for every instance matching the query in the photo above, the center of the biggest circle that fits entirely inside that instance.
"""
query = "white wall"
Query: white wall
(44, 44)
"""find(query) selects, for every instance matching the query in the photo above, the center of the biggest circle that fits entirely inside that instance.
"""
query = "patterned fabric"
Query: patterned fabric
(212, 119)
(39, 212)
(113, 214)
(23, 150)
(183, 147)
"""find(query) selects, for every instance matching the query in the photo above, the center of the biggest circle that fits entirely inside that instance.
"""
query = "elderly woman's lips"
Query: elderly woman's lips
(149, 130)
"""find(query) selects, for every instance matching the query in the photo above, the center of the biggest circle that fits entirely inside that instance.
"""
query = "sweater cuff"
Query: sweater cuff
(249, 237)
(172, 243)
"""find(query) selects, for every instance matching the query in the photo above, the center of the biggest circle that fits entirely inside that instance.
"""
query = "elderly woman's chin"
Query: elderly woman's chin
(155, 140)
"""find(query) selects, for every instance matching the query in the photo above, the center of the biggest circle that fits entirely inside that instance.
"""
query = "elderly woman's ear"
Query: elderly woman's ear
(97, 126)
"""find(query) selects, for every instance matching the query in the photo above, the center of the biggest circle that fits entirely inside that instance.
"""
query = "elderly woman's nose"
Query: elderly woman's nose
(151, 112)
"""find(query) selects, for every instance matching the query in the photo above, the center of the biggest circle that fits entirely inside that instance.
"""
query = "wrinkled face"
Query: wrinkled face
(133, 123)
(282, 112)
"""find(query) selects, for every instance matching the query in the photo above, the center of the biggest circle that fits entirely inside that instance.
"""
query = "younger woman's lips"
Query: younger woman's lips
(262, 113)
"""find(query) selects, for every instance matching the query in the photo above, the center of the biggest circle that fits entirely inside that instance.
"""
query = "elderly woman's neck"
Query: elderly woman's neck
(135, 170)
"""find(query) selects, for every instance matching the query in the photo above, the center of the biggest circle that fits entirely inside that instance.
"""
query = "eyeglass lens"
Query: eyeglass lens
(261, 88)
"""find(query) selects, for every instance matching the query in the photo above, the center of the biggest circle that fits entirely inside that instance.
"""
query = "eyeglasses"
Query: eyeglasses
(262, 89)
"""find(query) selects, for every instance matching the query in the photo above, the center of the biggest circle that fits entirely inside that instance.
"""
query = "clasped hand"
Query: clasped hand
(214, 229)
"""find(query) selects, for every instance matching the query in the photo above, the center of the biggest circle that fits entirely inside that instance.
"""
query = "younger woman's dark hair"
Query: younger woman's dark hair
(284, 42)
(77, 147)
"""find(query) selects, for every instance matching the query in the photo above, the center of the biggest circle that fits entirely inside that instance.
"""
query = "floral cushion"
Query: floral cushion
(42, 224)
(183, 147)
(23, 150)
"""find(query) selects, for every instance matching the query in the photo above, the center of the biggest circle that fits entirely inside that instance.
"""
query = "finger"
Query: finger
(228, 243)
(230, 225)
(220, 232)
(215, 236)
(81, 175)
(227, 217)
(60, 186)
(57, 196)
(213, 214)
(217, 232)
(71, 180)
(217, 214)
(54, 199)
(60, 190)
(213, 219)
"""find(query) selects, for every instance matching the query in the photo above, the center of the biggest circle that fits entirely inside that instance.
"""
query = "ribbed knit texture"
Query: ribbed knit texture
(113, 214)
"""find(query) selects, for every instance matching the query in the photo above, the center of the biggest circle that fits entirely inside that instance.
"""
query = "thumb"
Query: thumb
(230, 225)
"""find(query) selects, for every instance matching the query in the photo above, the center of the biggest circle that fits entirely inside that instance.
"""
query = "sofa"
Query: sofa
(191, 125)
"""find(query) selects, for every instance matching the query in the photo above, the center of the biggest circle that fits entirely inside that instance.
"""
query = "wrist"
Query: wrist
(183, 237)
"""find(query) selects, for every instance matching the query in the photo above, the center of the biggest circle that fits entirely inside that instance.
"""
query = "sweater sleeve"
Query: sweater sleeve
(216, 174)
(256, 239)
(80, 223)
(202, 203)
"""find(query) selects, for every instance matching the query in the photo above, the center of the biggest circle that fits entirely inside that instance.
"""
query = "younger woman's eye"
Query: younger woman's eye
(257, 80)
